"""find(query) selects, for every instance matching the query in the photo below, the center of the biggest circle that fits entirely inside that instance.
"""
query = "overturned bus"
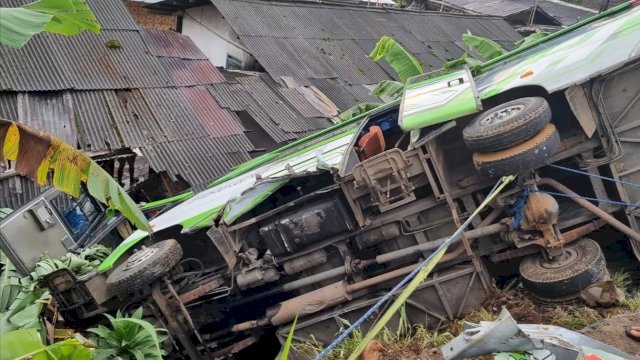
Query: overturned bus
(321, 228)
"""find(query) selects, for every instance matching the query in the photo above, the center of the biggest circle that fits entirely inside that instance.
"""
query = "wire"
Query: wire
(406, 279)
(604, 201)
(595, 175)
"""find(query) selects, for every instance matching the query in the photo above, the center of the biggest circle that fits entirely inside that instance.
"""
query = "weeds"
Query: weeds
(633, 302)
(622, 280)
(576, 319)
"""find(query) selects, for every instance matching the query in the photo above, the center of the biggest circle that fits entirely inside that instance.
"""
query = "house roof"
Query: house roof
(328, 46)
(562, 12)
(132, 88)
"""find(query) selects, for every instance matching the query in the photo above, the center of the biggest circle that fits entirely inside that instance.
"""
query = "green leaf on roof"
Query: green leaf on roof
(403, 62)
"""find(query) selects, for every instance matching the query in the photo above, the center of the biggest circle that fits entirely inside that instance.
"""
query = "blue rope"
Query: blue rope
(604, 201)
(517, 210)
(392, 292)
(594, 175)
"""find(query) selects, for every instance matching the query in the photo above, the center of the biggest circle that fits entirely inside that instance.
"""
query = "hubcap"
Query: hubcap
(569, 256)
(139, 257)
(501, 115)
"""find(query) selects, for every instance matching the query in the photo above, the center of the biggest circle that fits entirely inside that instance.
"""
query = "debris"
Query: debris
(604, 293)
(506, 335)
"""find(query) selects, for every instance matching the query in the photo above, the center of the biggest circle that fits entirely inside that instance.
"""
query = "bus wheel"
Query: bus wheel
(581, 265)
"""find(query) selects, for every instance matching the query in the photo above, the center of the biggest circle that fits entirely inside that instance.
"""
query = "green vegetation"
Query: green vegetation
(577, 318)
(633, 302)
(622, 280)
(26, 344)
(66, 17)
(130, 338)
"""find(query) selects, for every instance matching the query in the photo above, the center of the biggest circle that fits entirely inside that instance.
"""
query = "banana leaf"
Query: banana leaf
(531, 38)
(357, 110)
(10, 285)
(26, 344)
(403, 62)
(487, 48)
(36, 153)
(388, 88)
(67, 17)
(25, 310)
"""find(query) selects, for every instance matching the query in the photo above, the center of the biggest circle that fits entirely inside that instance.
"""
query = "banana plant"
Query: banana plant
(402, 61)
(36, 153)
(66, 17)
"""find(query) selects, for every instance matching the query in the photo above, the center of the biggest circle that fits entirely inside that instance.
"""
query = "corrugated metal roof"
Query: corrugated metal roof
(112, 16)
(173, 113)
(16, 191)
(97, 127)
(8, 106)
(217, 121)
(344, 96)
(301, 104)
(564, 13)
(171, 44)
(231, 96)
(114, 59)
(186, 72)
(197, 160)
(274, 106)
(35, 66)
(305, 41)
(50, 112)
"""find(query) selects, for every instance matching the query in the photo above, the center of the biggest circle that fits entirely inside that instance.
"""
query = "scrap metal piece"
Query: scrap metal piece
(506, 335)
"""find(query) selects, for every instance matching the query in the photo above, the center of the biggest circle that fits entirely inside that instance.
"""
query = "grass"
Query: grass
(633, 302)
(412, 342)
(576, 319)
(622, 280)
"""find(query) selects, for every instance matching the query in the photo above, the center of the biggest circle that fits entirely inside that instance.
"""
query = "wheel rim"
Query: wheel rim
(569, 256)
(139, 257)
(501, 115)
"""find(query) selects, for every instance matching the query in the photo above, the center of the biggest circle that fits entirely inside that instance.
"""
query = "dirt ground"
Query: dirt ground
(603, 324)
(611, 331)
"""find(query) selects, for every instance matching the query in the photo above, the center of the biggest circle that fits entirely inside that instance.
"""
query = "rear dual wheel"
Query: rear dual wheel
(512, 137)
(581, 264)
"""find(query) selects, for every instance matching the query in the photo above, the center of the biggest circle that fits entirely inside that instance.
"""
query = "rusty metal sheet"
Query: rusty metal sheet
(186, 72)
(231, 96)
(217, 121)
(168, 43)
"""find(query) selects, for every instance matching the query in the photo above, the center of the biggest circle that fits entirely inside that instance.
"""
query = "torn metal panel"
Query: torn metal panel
(171, 44)
(49, 112)
(191, 72)
(97, 127)
(344, 96)
(278, 58)
(272, 104)
(300, 103)
(231, 96)
(217, 121)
